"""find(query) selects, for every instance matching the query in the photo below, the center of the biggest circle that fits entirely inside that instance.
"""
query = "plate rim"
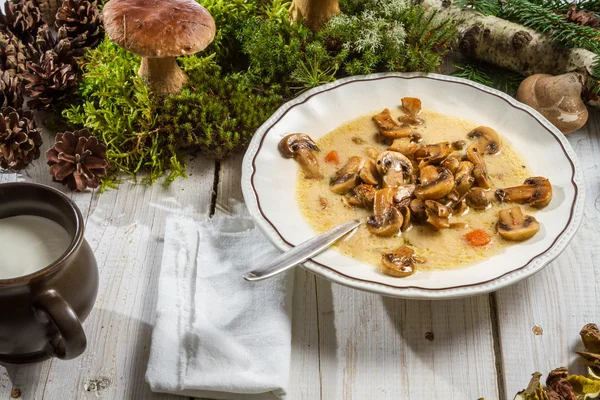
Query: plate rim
(534, 265)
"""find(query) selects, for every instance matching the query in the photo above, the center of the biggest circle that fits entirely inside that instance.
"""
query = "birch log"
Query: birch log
(515, 47)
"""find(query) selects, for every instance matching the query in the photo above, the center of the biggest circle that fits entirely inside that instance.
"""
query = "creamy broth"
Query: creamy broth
(444, 249)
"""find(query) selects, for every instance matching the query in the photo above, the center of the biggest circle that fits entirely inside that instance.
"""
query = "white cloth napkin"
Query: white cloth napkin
(217, 336)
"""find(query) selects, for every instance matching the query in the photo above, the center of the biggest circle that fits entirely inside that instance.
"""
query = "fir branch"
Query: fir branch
(596, 74)
(490, 75)
(556, 27)
(486, 7)
(562, 6)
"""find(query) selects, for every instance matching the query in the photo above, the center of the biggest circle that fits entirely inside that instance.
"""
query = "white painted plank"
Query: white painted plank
(564, 296)
(304, 374)
(125, 231)
(374, 347)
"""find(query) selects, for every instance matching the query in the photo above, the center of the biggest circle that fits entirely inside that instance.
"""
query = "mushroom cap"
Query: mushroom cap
(514, 225)
(347, 177)
(159, 28)
(291, 144)
(558, 98)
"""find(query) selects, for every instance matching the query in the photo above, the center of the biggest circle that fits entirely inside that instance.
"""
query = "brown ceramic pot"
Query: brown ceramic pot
(41, 313)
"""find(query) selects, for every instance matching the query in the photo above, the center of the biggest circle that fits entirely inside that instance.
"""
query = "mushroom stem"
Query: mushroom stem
(163, 75)
(314, 13)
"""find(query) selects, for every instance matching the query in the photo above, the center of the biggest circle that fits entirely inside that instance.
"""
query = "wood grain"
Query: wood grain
(561, 298)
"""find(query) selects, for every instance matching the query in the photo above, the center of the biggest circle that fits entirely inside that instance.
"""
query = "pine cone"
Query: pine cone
(581, 17)
(20, 139)
(48, 40)
(49, 81)
(12, 54)
(10, 91)
(22, 18)
(83, 24)
(48, 9)
(77, 160)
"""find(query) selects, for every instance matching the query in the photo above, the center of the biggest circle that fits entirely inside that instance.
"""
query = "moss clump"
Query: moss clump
(258, 60)
(217, 114)
(115, 106)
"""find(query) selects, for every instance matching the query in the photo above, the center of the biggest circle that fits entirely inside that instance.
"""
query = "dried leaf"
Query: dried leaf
(534, 390)
(590, 336)
(585, 388)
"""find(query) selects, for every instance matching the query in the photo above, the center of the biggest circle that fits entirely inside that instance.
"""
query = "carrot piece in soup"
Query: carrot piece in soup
(332, 157)
(478, 237)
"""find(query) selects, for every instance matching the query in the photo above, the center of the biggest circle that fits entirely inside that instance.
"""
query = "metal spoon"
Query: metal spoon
(302, 252)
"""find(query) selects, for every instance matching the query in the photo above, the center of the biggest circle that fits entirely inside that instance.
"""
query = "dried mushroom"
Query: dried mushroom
(412, 107)
(387, 219)
(514, 225)
(436, 182)
(400, 262)
(390, 128)
(535, 191)
(395, 167)
(590, 336)
(302, 148)
(347, 177)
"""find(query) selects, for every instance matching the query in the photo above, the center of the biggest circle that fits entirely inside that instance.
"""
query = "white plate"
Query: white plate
(269, 180)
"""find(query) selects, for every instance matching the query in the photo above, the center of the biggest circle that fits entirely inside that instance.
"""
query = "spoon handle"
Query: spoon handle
(302, 252)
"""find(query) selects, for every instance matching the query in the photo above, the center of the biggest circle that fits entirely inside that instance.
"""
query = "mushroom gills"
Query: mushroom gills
(487, 140)
(400, 263)
(386, 219)
(535, 191)
(514, 225)
(347, 177)
(395, 167)
(302, 148)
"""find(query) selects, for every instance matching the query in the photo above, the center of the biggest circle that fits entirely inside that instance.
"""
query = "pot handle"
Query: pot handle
(70, 341)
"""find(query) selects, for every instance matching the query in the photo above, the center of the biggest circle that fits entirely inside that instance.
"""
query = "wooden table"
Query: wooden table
(346, 344)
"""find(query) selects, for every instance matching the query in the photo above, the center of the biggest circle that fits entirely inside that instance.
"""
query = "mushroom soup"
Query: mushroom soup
(433, 189)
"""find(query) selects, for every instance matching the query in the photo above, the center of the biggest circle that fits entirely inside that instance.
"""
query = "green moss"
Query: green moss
(258, 60)
(115, 106)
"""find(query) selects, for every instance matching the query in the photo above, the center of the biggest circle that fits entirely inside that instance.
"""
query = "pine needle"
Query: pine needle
(490, 75)
(486, 7)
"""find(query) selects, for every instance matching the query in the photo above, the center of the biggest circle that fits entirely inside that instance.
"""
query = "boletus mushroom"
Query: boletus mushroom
(437, 214)
(513, 225)
(313, 13)
(347, 177)
(558, 98)
(535, 191)
(159, 31)
(436, 182)
(412, 107)
(487, 140)
(301, 148)
(395, 168)
(400, 262)
(387, 219)
(390, 128)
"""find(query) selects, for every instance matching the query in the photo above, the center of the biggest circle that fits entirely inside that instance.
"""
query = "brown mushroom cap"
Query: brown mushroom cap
(302, 148)
(387, 219)
(488, 140)
(347, 177)
(369, 173)
(514, 225)
(390, 128)
(399, 263)
(363, 195)
(478, 198)
(558, 98)
(159, 28)
(437, 214)
(433, 153)
(435, 183)
(395, 168)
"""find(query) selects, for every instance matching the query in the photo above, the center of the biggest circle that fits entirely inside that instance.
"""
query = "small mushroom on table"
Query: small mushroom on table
(159, 31)
(301, 148)
(400, 262)
(514, 225)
